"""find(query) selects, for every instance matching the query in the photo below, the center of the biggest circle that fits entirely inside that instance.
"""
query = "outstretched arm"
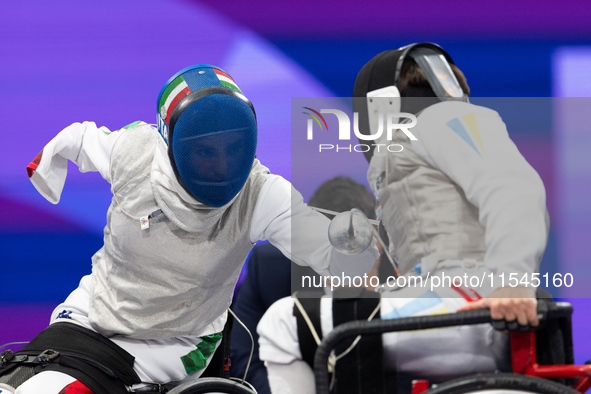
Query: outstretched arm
(300, 233)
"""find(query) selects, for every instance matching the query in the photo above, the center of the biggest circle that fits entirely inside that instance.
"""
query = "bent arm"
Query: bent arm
(495, 177)
(82, 143)
(508, 193)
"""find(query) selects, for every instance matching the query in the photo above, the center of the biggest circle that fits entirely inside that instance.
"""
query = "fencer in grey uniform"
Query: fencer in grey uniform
(457, 199)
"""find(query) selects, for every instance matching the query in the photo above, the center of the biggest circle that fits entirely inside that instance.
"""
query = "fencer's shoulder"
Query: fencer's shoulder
(259, 170)
(446, 111)
(257, 177)
(138, 140)
(254, 193)
(138, 130)
(276, 317)
(276, 188)
(271, 181)
(282, 309)
(133, 151)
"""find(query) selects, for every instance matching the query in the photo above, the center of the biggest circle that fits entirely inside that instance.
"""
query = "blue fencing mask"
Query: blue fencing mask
(211, 132)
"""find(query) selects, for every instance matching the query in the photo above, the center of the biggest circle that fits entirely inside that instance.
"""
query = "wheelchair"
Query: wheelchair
(211, 385)
(531, 372)
(215, 379)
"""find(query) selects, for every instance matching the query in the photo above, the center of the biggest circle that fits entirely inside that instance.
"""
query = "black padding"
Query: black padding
(361, 370)
(308, 344)
(15, 374)
(94, 360)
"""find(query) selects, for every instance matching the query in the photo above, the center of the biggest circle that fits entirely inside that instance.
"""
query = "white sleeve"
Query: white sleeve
(300, 233)
(278, 334)
(278, 330)
(82, 143)
(474, 150)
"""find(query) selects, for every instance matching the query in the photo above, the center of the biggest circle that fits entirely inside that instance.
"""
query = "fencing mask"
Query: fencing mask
(211, 132)
(380, 78)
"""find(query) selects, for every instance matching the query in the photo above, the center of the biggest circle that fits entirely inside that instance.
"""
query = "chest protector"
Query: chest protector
(177, 277)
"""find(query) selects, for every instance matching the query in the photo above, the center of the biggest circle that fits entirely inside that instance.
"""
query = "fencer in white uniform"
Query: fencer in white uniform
(190, 200)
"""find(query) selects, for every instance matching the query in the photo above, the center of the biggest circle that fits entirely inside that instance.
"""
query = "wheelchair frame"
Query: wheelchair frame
(523, 344)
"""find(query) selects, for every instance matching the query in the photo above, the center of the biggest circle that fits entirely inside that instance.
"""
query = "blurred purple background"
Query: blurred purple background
(68, 61)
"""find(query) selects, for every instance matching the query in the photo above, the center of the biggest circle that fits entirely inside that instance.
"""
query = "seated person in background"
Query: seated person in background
(269, 278)
(458, 199)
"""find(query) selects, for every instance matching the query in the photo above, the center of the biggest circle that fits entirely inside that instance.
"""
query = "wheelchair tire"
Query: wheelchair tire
(506, 383)
(211, 385)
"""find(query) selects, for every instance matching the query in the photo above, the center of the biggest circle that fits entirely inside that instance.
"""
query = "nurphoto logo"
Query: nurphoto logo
(386, 121)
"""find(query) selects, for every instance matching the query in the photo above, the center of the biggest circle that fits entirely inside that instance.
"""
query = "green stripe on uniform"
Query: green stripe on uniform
(197, 359)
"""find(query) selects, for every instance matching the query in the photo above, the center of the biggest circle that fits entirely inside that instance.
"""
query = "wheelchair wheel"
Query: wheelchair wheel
(502, 383)
(210, 386)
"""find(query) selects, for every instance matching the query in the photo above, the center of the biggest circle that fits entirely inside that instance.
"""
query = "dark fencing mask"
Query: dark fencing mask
(380, 78)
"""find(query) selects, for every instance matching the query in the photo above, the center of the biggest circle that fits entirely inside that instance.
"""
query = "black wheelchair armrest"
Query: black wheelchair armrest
(547, 309)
